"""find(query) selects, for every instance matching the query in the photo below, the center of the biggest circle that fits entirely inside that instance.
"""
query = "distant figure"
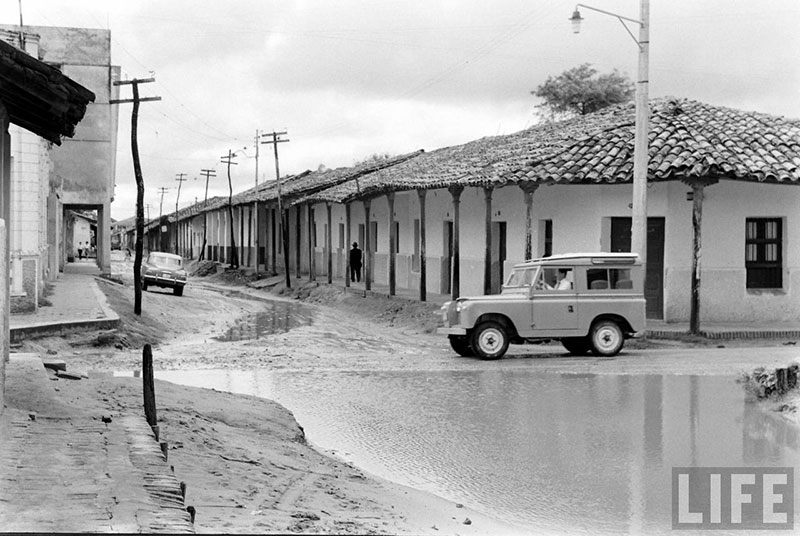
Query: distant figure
(355, 263)
(80, 250)
(127, 253)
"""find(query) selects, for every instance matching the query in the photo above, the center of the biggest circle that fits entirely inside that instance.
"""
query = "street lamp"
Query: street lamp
(640, 158)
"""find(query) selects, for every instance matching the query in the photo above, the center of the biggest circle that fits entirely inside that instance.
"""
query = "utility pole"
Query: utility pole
(234, 260)
(162, 191)
(208, 173)
(282, 214)
(137, 171)
(180, 179)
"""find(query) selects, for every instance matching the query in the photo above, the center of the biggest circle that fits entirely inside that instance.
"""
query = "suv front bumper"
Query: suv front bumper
(451, 331)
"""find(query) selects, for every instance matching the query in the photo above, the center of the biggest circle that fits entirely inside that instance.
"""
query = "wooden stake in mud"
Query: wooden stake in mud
(149, 387)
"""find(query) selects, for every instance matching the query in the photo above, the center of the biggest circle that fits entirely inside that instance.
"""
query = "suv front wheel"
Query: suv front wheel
(607, 338)
(489, 340)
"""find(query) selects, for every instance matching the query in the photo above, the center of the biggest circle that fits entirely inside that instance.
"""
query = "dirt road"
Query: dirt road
(244, 459)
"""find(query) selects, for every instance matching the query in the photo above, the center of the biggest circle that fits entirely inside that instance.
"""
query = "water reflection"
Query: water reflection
(576, 453)
(277, 317)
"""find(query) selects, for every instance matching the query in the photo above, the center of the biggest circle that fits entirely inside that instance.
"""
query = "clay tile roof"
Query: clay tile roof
(687, 140)
(38, 97)
(489, 161)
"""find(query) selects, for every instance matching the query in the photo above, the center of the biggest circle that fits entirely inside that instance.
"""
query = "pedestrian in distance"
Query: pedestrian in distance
(355, 263)
(80, 250)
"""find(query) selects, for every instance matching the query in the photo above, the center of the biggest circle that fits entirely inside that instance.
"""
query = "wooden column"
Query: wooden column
(298, 235)
(423, 274)
(255, 235)
(487, 256)
(347, 244)
(312, 276)
(528, 188)
(392, 246)
(698, 191)
(274, 225)
(367, 248)
(455, 284)
(329, 244)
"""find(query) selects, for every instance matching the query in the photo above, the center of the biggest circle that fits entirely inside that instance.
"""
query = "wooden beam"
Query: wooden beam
(423, 274)
(455, 283)
(487, 256)
(528, 189)
(392, 245)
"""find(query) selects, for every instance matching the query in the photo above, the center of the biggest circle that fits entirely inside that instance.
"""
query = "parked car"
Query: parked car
(164, 270)
(588, 301)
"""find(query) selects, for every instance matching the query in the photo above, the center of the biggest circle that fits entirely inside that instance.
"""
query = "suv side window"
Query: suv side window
(608, 278)
(555, 279)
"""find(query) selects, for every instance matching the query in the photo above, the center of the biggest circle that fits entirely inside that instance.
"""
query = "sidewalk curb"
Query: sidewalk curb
(110, 320)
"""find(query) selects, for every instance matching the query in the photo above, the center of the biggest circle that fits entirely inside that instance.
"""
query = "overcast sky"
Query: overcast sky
(348, 78)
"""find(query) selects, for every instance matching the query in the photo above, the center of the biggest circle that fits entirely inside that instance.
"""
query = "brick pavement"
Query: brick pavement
(62, 470)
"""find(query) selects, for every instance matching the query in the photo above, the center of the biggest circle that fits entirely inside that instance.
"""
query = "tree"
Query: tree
(580, 91)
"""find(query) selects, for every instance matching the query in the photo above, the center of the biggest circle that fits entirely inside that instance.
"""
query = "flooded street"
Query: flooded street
(546, 441)
(580, 453)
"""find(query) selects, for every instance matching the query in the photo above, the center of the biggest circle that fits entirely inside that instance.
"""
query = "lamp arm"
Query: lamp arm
(636, 21)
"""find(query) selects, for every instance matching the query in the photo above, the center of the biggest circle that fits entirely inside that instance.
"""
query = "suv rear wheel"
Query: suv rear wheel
(577, 345)
(489, 340)
(606, 338)
(460, 344)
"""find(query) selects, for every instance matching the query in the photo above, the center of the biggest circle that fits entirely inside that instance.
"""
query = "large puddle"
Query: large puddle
(277, 317)
(565, 453)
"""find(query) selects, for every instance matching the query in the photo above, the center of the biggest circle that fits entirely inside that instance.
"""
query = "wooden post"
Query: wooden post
(455, 192)
(423, 275)
(698, 187)
(312, 276)
(329, 244)
(347, 244)
(298, 238)
(392, 245)
(274, 235)
(528, 189)
(487, 256)
(367, 248)
(149, 389)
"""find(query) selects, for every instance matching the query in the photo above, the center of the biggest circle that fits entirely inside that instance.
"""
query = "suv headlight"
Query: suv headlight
(461, 306)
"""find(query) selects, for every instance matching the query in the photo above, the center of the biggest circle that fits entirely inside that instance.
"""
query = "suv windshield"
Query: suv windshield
(521, 277)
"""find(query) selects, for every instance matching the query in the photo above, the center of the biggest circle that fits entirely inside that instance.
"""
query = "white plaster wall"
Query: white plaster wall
(723, 293)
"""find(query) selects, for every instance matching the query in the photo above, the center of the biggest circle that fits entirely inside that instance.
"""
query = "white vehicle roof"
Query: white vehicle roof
(584, 258)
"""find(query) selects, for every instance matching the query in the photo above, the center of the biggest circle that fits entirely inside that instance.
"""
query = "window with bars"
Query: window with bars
(764, 253)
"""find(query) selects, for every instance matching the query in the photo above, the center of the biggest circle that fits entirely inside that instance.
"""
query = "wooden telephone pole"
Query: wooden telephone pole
(228, 159)
(162, 191)
(180, 179)
(207, 173)
(284, 217)
(137, 171)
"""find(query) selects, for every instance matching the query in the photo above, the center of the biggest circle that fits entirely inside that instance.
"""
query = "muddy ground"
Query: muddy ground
(245, 459)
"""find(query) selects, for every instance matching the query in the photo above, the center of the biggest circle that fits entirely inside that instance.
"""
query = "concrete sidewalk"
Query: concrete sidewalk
(76, 303)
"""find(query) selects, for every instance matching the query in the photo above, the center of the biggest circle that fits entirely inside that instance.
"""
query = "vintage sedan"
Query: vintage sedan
(164, 270)
(588, 301)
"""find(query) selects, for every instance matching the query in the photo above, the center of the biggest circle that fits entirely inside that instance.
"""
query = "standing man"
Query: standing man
(80, 250)
(355, 263)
